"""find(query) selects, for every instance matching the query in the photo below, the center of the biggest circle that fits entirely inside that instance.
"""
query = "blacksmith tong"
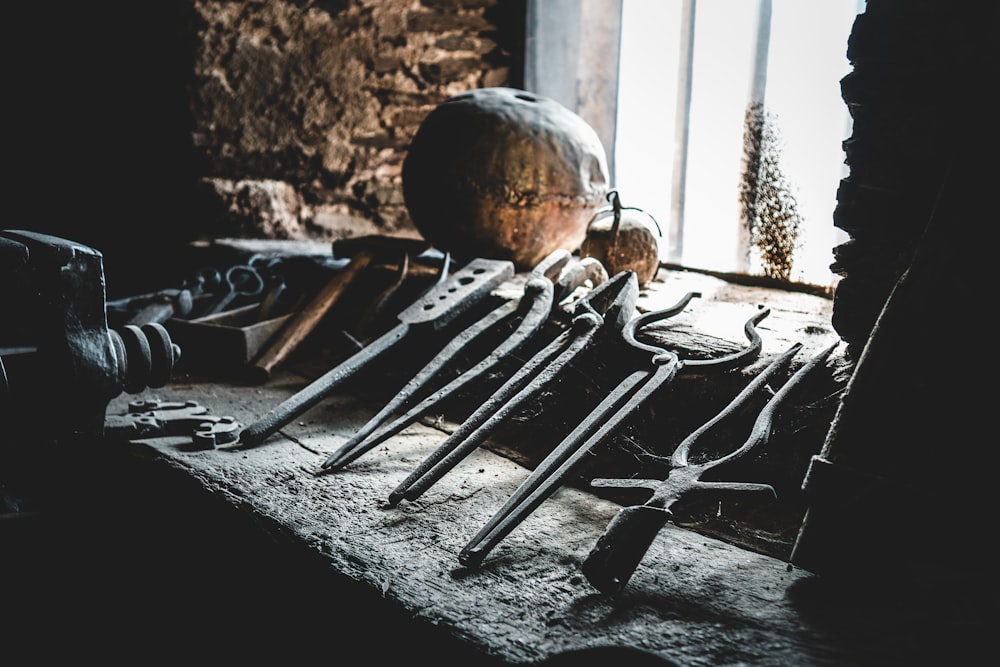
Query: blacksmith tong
(606, 309)
(547, 285)
(630, 394)
(436, 308)
(628, 536)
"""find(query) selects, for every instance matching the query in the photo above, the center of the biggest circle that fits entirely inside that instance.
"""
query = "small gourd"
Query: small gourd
(624, 238)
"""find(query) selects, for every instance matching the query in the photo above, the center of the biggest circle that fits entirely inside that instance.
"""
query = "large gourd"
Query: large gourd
(505, 174)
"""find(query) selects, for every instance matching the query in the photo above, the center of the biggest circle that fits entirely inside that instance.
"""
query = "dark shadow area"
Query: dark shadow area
(101, 150)
(120, 559)
(900, 620)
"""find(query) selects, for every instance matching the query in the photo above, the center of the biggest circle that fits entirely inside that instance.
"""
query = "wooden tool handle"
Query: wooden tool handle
(622, 546)
(302, 324)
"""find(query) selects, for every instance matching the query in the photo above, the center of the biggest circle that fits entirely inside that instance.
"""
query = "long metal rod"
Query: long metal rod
(608, 306)
(377, 430)
(550, 474)
(437, 307)
(625, 541)
(597, 427)
(528, 380)
(282, 414)
(538, 302)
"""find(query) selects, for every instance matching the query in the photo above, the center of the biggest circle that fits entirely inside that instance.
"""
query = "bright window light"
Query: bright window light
(806, 117)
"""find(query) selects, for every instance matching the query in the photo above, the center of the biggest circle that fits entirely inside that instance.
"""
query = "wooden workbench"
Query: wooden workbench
(355, 575)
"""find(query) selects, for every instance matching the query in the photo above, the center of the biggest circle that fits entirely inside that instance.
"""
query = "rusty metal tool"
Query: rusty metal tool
(357, 445)
(411, 267)
(623, 544)
(291, 335)
(275, 284)
(606, 308)
(290, 278)
(156, 419)
(156, 306)
(159, 306)
(339, 274)
(239, 282)
(549, 283)
(378, 305)
(603, 421)
(203, 284)
(436, 308)
(167, 304)
(379, 243)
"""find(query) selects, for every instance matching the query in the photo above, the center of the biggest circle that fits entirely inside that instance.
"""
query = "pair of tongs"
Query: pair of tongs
(662, 367)
(548, 284)
(627, 538)
(439, 306)
(606, 308)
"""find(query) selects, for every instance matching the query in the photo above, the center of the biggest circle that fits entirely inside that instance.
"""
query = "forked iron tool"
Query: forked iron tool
(606, 308)
(436, 308)
(548, 284)
(602, 422)
(628, 536)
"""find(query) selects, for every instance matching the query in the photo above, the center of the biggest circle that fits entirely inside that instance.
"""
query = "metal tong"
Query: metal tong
(436, 308)
(606, 418)
(628, 536)
(548, 284)
(605, 308)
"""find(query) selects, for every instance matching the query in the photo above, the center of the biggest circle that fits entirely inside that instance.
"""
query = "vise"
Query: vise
(60, 364)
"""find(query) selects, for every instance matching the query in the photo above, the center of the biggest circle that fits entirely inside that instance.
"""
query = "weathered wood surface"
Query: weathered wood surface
(695, 600)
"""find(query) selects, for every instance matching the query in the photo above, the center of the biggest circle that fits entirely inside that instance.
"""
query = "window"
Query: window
(687, 72)
(679, 150)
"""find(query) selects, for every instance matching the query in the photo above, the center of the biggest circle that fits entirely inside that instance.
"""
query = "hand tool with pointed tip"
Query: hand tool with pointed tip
(541, 295)
(628, 536)
(538, 292)
(605, 308)
(371, 315)
(438, 307)
(602, 422)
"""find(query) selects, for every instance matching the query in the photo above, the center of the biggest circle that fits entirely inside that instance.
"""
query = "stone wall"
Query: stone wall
(302, 111)
(917, 75)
